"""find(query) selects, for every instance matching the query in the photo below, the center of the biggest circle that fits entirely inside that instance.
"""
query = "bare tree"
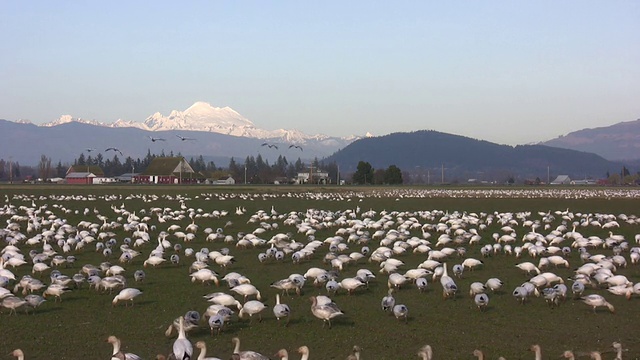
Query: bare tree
(44, 167)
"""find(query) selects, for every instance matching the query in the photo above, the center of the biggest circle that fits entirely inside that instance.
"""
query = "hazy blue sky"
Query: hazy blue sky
(510, 72)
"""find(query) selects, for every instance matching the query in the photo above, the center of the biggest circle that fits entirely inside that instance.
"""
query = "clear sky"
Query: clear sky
(510, 72)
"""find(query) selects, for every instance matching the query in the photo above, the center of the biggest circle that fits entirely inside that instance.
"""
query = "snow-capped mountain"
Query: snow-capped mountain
(201, 116)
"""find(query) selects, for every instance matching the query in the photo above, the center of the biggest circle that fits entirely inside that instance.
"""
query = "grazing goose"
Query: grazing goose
(282, 354)
(182, 347)
(245, 355)
(251, 308)
(482, 301)
(401, 312)
(247, 290)
(494, 284)
(596, 300)
(325, 311)
(388, 302)
(568, 354)
(595, 355)
(117, 353)
(127, 294)
(281, 310)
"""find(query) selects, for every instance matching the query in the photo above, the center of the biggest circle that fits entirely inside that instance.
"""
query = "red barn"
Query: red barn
(84, 178)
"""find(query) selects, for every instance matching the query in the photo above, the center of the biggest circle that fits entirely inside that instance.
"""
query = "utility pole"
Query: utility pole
(442, 181)
(338, 177)
(311, 173)
(245, 173)
(428, 177)
(548, 175)
(10, 169)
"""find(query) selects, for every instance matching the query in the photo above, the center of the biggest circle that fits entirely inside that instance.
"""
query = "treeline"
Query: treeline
(255, 170)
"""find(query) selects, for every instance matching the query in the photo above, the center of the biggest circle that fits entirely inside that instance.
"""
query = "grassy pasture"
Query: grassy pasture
(77, 327)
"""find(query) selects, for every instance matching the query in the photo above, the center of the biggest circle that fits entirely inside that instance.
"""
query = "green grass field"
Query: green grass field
(77, 327)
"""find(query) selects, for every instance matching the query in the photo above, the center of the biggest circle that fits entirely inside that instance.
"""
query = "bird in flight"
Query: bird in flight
(90, 149)
(184, 138)
(154, 139)
(114, 149)
(270, 145)
(296, 146)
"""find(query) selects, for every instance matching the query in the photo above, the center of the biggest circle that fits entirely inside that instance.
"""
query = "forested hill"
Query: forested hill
(465, 157)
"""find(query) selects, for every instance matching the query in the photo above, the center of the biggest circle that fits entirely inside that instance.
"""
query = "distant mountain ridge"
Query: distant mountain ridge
(201, 116)
(431, 152)
(620, 141)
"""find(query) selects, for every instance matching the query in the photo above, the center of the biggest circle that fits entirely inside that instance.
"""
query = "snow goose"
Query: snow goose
(127, 294)
(281, 310)
(304, 352)
(324, 311)
(182, 347)
(282, 354)
(595, 300)
(568, 354)
(618, 348)
(482, 301)
(247, 290)
(245, 355)
(528, 267)
(13, 303)
(476, 288)
(537, 350)
(479, 354)
(401, 312)
(388, 302)
(426, 352)
(117, 353)
(18, 354)
(203, 351)
(351, 284)
(355, 353)
(251, 308)
(396, 280)
(494, 284)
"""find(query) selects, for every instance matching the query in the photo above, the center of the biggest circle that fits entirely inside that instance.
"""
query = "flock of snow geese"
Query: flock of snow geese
(37, 236)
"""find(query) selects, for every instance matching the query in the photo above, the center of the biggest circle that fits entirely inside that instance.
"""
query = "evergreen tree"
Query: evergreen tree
(393, 175)
(363, 174)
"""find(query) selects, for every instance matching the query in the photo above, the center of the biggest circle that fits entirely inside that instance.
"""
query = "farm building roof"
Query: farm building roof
(168, 166)
(95, 169)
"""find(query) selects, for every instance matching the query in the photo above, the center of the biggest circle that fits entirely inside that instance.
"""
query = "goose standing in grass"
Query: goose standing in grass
(281, 310)
(19, 354)
(245, 355)
(247, 290)
(595, 355)
(251, 308)
(127, 294)
(203, 351)
(494, 284)
(595, 300)
(304, 352)
(182, 347)
(479, 354)
(537, 351)
(355, 353)
(117, 353)
(568, 354)
(388, 302)
(13, 303)
(401, 312)
(325, 311)
(618, 348)
(282, 354)
(482, 301)
(426, 352)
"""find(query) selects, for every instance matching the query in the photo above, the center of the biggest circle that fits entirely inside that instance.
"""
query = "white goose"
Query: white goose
(203, 351)
(117, 353)
(281, 310)
(596, 300)
(182, 347)
(245, 355)
(325, 311)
